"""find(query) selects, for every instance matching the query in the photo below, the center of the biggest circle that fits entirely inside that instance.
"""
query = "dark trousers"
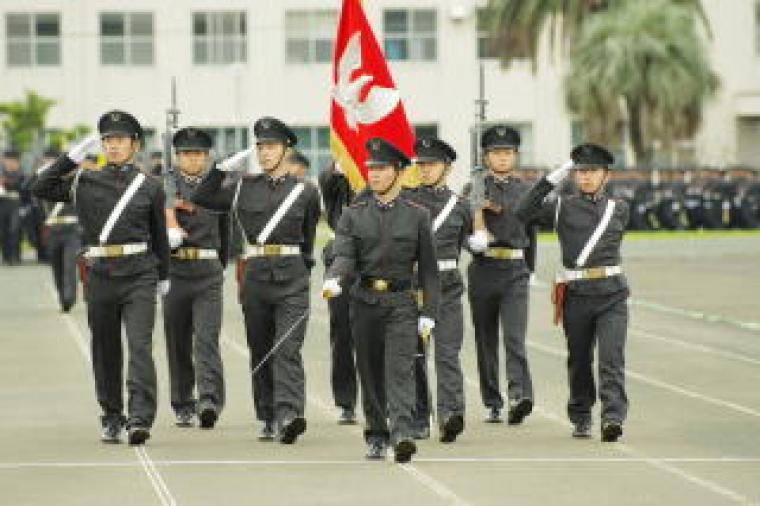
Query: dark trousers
(588, 320)
(192, 322)
(10, 231)
(500, 294)
(343, 366)
(271, 310)
(130, 300)
(63, 247)
(447, 341)
(386, 343)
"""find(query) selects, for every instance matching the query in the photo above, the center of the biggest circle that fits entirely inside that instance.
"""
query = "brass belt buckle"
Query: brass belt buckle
(380, 285)
(192, 254)
(272, 249)
(594, 273)
(114, 250)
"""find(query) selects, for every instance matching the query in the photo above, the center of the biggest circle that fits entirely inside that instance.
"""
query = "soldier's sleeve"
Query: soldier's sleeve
(224, 238)
(211, 194)
(427, 267)
(310, 222)
(534, 208)
(159, 242)
(467, 224)
(52, 184)
(344, 248)
(532, 250)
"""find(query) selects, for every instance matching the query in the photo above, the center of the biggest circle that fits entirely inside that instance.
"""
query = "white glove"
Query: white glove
(78, 153)
(557, 175)
(331, 288)
(425, 326)
(232, 163)
(176, 235)
(478, 241)
(163, 287)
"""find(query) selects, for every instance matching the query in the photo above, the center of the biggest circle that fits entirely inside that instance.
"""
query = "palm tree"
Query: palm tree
(641, 62)
(517, 25)
(25, 119)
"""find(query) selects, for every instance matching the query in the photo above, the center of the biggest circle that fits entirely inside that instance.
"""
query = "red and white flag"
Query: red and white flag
(365, 101)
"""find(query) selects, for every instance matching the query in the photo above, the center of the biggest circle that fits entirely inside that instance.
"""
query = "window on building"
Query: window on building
(410, 35)
(314, 143)
(309, 36)
(126, 38)
(228, 139)
(486, 42)
(33, 39)
(219, 37)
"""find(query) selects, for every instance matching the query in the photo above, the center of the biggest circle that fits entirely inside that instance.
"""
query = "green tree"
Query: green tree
(25, 120)
(517, 25)
(641, 63)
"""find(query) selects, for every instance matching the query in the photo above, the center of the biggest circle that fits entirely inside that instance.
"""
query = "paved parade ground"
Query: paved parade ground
(692, 437)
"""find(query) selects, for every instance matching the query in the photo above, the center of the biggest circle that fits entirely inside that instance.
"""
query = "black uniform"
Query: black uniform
(63, 237)
(379, 243)
(275, 290)
(337, 195)
(595, 309)
(193, 306)
(121, 288)
(12, 187)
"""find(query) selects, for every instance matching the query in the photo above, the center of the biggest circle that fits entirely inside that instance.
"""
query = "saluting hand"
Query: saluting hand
(557, 175)
(232, 163)
(78, 153)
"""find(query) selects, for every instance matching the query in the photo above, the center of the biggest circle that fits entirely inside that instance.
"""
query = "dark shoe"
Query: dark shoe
(347, 417)
(266, 433)
(184, 418)
(451, 428)
(582, 429)
(375, 450)
(111, 433)
(404, 450)
(138, 435)
(208, 418)
(66, 306)
(420, 433)
(611, 431)
(292, 429)
(493, 415)
(518, 410)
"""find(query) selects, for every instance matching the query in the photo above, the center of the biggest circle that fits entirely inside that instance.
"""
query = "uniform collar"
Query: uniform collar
(594, 197)
(276, 181)
(384, 205)
(193, 180)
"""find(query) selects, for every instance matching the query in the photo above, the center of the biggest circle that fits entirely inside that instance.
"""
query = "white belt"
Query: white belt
(11, 194)
(195, 254)
(447, 265)
(591, 273)
(271, 250)
(504, 253)
(61, 220)
(116, 250)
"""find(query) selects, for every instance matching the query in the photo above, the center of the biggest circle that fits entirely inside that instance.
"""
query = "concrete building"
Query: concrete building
(241, 59)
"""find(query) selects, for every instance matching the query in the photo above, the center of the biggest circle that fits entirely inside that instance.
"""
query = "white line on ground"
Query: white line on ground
(422, 477)
(158, 483)
(703, 348)
(661, 384)
(354, 462)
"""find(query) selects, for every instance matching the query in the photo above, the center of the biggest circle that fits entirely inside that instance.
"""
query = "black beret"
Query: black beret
(500, 136)
(192, 139)
(272, 129)
(591, 155)
(119, 122)
(430, 149)
(381, 152)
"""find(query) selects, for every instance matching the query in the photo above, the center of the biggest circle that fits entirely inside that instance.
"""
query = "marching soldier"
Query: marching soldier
(498, 280)
(591, 293)
(12, 185)
(452, 223)
(379, 239)
(193, 306)
(337, 195)
(63, 240)
(298, 164)
(121, 211)
(278, 216)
